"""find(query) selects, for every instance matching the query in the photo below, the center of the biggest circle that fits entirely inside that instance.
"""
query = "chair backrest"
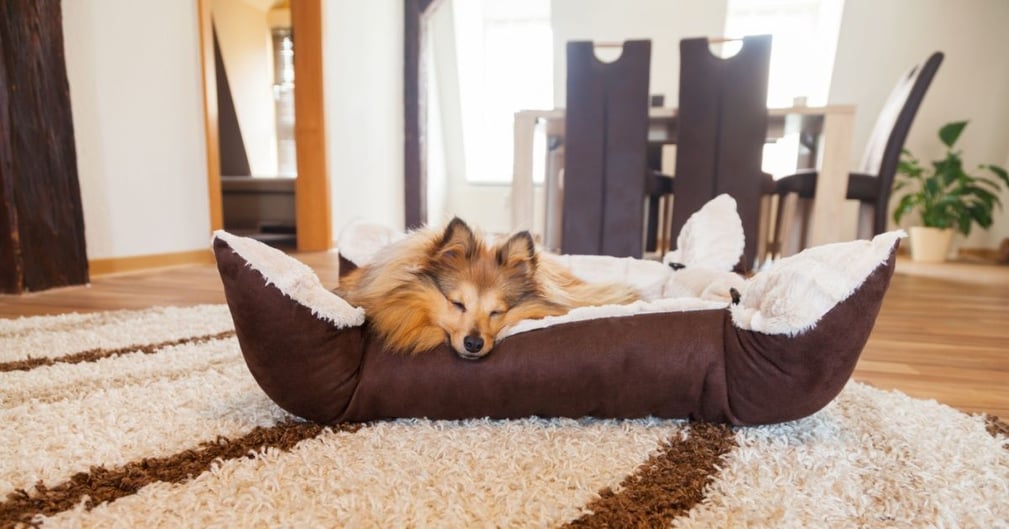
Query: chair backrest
(721, 130)
(605, 150)
(882, 151)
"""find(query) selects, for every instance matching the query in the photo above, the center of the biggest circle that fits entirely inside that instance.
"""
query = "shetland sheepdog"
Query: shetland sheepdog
(453, 286)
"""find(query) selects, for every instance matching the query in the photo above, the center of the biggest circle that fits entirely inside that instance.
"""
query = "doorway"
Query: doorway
(264, 119)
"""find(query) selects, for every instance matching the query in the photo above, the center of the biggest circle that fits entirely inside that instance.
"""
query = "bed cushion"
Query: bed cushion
(783, 352)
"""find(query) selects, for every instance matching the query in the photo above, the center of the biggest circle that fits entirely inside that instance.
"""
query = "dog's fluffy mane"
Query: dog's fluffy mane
(407, 278)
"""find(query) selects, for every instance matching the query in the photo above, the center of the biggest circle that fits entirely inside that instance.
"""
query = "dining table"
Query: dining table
(826, 130)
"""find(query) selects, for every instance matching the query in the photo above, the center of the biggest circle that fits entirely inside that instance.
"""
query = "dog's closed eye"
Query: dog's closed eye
(459, 305)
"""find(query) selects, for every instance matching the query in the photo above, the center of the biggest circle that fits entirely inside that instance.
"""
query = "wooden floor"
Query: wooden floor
(943, 331)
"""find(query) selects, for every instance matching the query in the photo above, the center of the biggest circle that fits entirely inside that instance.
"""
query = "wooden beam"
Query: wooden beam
(41, 216)
(312, 198)
(12, 275)
(414, 115)
(210, 115)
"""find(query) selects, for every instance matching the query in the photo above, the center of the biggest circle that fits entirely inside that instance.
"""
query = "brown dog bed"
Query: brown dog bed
(783, 352)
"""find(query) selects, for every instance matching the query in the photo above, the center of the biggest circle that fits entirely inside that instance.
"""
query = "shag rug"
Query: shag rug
(151, 419)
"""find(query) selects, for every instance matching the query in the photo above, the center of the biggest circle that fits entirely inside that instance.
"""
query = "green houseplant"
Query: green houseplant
(947, 195)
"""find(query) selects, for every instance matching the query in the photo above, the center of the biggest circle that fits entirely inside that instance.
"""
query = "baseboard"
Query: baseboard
(117, 265)
(993, 255)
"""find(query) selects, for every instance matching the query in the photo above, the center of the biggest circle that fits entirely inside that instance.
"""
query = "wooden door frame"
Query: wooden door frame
(313, 216)
(415, 15)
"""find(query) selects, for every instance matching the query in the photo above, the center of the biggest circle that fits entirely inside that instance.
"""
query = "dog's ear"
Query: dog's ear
(458, 239)
(518, 250)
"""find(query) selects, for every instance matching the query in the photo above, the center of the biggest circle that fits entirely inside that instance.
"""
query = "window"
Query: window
(805, 39)
(505, 51)
(802, 58)
(283, 97)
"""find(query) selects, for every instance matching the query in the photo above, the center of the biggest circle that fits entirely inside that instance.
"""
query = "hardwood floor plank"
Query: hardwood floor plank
(942, 333)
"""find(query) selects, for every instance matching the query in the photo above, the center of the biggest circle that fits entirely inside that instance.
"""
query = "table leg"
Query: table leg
(832, 183)
(522, 178)
(553, 197)
(763, 231)
(789, 239)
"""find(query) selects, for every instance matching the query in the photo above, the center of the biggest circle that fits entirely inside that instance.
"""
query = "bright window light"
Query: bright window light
(804, 34)
(805, 39)
(506, 66)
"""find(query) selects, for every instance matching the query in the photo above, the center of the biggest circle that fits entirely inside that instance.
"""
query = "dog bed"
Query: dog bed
(781, 351)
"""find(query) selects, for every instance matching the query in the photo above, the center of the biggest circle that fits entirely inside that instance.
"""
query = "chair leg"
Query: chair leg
(670, 236)
(653, 234)
(763, 231)
(794, 215)
(866, 214)
(806, 216)
(774, 242)
(788, 220)
(554, 203)
(660, 226)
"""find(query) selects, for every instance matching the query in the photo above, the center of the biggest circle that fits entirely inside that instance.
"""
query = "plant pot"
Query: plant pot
(930, 245)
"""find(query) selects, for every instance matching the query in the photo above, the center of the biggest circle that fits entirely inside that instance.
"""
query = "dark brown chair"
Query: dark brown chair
(873, 183)
(605, 158)
(721, 130)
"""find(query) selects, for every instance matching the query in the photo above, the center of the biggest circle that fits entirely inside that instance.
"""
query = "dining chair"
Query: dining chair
(721, 130)
(605, 155)
(873, 183)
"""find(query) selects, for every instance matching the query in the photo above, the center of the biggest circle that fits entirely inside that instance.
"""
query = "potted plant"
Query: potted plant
(946, 196)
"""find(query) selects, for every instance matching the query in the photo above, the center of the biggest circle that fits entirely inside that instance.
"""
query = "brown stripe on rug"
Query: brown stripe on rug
(97, 354)
(996, 426)
(106, 485)
(665, 486)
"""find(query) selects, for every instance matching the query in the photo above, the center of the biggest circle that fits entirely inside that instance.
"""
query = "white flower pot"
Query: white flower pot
(930, 245)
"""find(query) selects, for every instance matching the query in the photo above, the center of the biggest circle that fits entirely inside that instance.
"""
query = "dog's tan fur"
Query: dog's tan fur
(438, 286)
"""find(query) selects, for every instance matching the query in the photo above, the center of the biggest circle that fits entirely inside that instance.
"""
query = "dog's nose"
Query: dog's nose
(473, 344)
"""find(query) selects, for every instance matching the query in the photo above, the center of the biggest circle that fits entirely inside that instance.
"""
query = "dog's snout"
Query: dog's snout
(473, 343)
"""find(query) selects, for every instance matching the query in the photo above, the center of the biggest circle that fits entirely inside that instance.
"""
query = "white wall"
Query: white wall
(881, 40)
(136, 98)
(665, 22)
(363, 57)
(449, 192)
(247, 52)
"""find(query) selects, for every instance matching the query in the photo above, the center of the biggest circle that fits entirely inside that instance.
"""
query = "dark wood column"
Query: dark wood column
(414, 177)
(42, 222)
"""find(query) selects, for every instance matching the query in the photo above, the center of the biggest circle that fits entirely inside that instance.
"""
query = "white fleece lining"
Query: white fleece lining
(360, 241)
(711, 238)
(787, 298)
(613, 311)
(795, 292)
(294, 279)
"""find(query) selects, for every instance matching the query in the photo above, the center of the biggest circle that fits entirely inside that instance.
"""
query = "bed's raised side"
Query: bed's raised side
(778, 377)
(307, 365)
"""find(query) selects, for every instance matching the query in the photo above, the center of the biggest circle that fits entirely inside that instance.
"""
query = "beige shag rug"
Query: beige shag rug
(150, 419)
